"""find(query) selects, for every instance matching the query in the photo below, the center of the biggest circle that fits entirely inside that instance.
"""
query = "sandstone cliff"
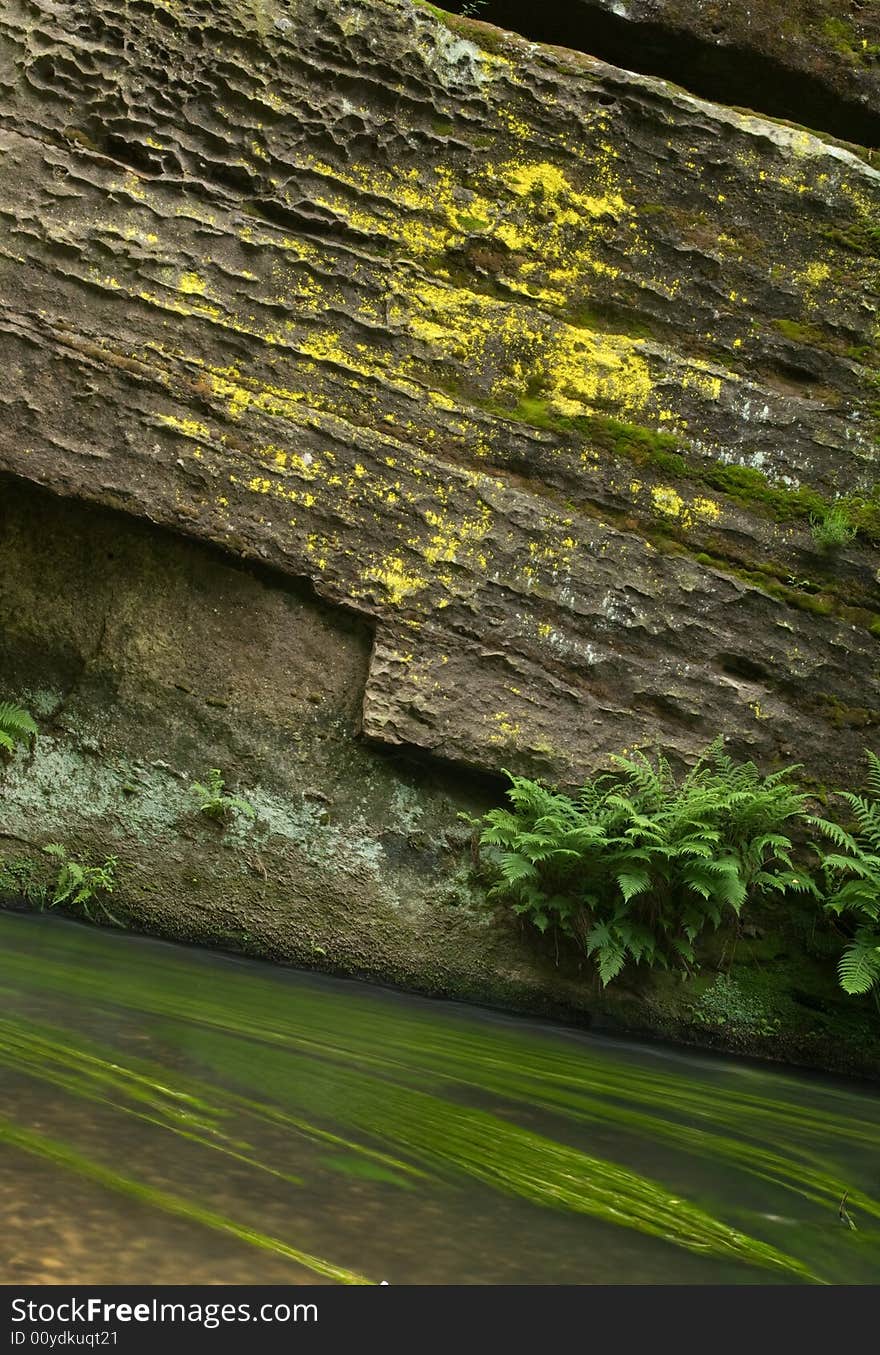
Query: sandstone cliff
(538, 365)
(533, 368)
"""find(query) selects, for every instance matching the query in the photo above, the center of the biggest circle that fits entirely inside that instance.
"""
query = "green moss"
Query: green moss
(800, 333)
(843, 716)
(23, 878)
(843, 38)
(863, 510)
(491, 40)
(858, 237)
(664, 453)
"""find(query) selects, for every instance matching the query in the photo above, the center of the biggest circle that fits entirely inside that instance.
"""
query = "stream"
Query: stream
(175, 1116)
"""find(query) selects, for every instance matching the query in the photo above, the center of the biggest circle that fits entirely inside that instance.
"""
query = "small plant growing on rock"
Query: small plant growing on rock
(18, 880)
(16, 726)
(213, 801)
(728, 1005)
(83, 887)
(852, 875)
(833, 529)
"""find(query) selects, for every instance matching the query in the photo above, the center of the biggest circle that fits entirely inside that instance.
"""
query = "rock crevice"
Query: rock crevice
(815, 62)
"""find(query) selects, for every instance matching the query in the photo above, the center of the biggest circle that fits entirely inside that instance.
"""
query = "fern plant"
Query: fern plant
(640, 863)
(852, 876)
(82, 887)
(213, 800)
(16, 725)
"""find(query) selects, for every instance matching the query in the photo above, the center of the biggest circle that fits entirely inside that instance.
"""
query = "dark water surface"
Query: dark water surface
(171, 1116)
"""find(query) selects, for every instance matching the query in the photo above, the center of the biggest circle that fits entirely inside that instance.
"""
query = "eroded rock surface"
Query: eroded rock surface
(537, 365)
(816, 62)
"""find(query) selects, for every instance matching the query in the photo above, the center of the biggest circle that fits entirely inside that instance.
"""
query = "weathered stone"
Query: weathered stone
(126, 640)
(816, 62)
(412, 312)
(149, 658)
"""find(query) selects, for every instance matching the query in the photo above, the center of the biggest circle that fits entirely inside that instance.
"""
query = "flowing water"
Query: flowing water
(169, 1116)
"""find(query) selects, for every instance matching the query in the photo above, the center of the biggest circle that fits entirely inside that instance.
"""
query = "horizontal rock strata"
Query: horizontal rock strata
(540, 366)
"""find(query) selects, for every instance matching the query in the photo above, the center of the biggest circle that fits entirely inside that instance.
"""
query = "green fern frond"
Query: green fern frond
(838, 835)
(632, 884)
(609, 950)
(859, 965)
(516, 868)
(873, 780)
(16, 725)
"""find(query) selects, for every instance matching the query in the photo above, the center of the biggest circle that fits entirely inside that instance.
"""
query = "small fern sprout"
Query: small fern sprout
(213, 801)
(16, 726)
(80, 887)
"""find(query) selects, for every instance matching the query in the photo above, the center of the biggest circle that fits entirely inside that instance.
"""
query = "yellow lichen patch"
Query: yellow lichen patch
(226, 384)
(318, 547)
(703, 380)
(666, 500)
(260, 484)
(198, 308)
(190, 428)
(813, 276)
(531, 210)
(707, 509)
(133, 185)
(587, 366)
(450, 537)
(191, 284)
(392, 574)
(238, 397)
(545, 183)
(548, 557)
(579, 367)
(505, 729)
(669, 502)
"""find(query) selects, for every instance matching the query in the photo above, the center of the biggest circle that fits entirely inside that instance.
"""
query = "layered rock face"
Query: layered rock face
(538, 366)
(815, 62)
